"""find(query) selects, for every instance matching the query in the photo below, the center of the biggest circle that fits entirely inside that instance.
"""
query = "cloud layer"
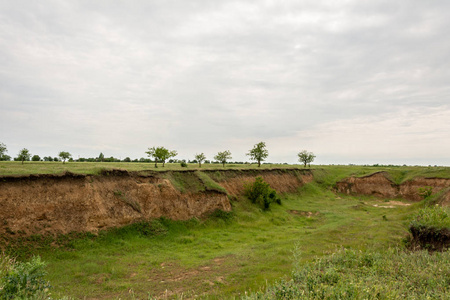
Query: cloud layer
(353, 81)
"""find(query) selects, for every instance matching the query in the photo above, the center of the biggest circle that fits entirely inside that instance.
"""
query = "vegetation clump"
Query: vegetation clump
(425, 191)
(261, 193)
(23, 280)
(430, 228)
(352, 274)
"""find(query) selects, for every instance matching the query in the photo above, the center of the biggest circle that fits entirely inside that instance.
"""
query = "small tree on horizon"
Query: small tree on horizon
(259, 153)
(306, 157)
(36, 158)
(64, 155)
(223, 157)
(24, 155)
(101, 157)
(161, 153)
(200, 158)
(3, 151)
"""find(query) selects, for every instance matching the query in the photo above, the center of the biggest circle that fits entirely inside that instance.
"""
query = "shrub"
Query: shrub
(437, 217)
(23, 280)
(261, 193)
(425, 191)
(430, 228)
(183, 164)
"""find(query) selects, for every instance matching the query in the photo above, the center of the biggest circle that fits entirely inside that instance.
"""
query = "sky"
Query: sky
(354, 82)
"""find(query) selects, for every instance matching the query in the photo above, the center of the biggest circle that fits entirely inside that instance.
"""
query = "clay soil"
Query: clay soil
(61, 204)
(378, 184)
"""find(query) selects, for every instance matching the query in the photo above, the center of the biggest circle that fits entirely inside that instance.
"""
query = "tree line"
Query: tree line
(258, 153)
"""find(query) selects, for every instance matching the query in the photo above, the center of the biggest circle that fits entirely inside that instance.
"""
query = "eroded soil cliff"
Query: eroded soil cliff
(379, 184)
(59, 204)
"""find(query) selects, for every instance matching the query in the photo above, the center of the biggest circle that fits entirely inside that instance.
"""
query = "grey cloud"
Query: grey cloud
(124, 76)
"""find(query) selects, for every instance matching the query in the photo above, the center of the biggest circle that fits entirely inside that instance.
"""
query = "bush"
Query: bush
(430, 229)
(261, 193)
(425, 191)
(437, 217)
(183, 164)
(23, 280)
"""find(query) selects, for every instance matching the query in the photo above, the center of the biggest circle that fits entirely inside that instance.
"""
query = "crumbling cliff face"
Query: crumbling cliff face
(378, 184)
(60, 204)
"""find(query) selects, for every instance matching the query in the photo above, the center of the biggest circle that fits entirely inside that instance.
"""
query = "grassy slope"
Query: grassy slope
(216, 257)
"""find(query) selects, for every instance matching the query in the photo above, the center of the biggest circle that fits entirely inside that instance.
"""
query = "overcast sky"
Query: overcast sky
(360, 82)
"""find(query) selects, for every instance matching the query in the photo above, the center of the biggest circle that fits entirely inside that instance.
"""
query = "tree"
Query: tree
(200, 157)
(306, 157)
(64, 155)
(161, 154)
(24, 155)
(259, 153)
(101, 157)
(36, 158)
(3, 151)
(222, 157)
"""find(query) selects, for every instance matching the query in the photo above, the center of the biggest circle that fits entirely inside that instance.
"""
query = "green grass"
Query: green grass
(433, 217)
(225, 255)
(350, 274)
(93, 168)
(327, 174)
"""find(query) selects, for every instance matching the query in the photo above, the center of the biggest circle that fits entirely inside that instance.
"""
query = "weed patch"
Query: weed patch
(352, 274)
(430, 228)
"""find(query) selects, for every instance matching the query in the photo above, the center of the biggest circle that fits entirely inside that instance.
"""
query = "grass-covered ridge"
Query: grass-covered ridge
(329, 173)
(8, 168)
(430, 228)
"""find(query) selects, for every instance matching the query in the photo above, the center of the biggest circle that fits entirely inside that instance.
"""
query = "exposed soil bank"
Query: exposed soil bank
(59, 204)
(378, 184)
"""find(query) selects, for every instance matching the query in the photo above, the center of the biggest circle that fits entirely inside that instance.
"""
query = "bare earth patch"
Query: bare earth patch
(307, 214)
(392, 204)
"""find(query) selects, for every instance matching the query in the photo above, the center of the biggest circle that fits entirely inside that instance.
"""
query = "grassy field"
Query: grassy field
(223, 256)
(41, 167)
(332, 173)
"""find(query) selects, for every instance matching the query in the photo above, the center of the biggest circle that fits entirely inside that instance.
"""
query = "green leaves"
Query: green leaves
(261, 193)
(223, 157)
(161, 154)
(306, 157)
(64, 155)
(23, 280)
(259, 153)
(23, 155)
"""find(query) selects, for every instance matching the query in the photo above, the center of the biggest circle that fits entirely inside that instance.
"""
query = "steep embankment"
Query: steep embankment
(379, 184)
(59, 204)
